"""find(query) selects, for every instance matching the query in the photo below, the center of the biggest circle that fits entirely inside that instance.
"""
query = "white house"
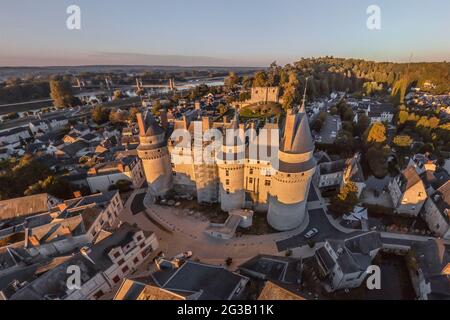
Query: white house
(408, 192)
(343, 263)
(58, 122)
(39, 126)
(437, 211)
(104, 175)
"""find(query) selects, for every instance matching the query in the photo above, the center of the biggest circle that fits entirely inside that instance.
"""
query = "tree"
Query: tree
(61, 93)
(291, 94)
(404, 141)
(243, 96)
(375, 134)
(231, 81)
(118, 117)
(100, 115)
(123, 185)
(132, 114)
(346, 200)
(222, 108)
(345, 142)
(402, 117)
(260, 79)
(318, 123)
(156, 106)
(54, 186)
(117, 95)
(362, 125)
(377, 159)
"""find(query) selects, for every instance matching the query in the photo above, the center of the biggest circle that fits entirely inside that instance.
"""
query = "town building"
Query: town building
(135, 289)
(274, 292)
(102, 267)
(199, 281)
(26, 206)
(343, 264)
(333, 175)
(105, 175)
(408, 192)
(14, 135)
(436, 211)
(430, 269)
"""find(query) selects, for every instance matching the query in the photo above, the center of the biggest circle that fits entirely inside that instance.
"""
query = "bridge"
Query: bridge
(171, 86)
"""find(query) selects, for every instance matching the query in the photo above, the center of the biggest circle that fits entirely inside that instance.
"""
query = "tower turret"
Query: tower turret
(230, 163)
(292, 179)
(154, 155)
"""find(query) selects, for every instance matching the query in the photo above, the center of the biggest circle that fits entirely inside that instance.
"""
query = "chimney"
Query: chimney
(163, 118)
(141, 125)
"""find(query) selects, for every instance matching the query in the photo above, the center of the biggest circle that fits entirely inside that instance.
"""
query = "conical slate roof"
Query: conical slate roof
(300, 136)
(302, 141)
(151, 127)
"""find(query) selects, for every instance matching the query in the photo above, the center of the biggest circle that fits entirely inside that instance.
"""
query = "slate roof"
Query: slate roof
(409, 178)
(432, 258)
(24, 206)
(213, 282)
(274, 268)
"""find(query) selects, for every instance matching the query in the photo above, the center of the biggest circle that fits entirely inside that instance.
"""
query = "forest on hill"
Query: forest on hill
(357, 76)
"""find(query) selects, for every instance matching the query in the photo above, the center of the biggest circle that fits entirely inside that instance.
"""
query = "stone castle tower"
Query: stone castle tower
(292, 179)
(154, 155)
(230, 162)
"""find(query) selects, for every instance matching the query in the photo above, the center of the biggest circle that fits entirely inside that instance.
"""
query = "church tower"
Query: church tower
(292, 179)
(154, 155)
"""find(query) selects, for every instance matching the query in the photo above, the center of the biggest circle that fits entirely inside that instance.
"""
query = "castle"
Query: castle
(236, 178)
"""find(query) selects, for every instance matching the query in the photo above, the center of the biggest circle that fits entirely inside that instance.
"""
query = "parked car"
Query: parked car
(311, 233)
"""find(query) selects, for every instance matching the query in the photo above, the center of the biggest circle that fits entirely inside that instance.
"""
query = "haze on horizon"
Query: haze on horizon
(219, 33)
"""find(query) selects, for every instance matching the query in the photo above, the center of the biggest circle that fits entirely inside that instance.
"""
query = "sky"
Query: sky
(220, 32)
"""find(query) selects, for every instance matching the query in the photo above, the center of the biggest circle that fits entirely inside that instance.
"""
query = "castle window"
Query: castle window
(228, 191)
(251, 171)
(227, 182)
(227, 173)
(250, 180)
(267, 183)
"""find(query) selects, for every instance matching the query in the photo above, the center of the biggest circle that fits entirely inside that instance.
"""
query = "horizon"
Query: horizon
(211, 33)
(210, 66)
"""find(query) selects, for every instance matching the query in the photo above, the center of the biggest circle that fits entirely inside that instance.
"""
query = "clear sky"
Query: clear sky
(220, 32)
